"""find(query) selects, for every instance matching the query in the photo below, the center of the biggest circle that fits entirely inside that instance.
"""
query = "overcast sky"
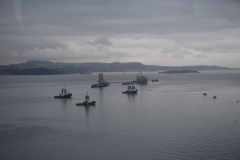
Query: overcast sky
(158, 32)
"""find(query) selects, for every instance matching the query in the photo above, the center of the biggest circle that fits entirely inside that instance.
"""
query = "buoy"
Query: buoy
(49, 97)
(214, 97)
(150, 90)
(204, 94)
(237, 101)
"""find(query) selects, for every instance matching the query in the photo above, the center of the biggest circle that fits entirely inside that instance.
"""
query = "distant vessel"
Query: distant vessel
(98, 85)
(86, 102)
(101, 82)
(140, 79)
(131, 90)
(155, 80)
(127, 83)
(64, 94)
(214, 97)
(204, 94)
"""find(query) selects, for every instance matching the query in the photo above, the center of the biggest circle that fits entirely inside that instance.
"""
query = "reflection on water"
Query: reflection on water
(64, 106)
(131, 100)
(64, 102)
(87, 109)
(101, 96)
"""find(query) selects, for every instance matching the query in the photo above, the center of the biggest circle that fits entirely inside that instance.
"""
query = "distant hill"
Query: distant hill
(36, 67)
(179, 71)
(31, 71)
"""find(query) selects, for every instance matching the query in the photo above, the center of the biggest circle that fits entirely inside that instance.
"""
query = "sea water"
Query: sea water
(168, 119)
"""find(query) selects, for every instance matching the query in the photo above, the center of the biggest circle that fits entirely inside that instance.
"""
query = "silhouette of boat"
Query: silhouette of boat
(64, 94)
(99, 85)
(131, 90)
(101, 82)
(140, 79)
(86, 102)
(127, 83)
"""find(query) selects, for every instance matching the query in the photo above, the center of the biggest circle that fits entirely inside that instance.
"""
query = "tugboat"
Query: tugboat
(86, 102)
(131, 90)
(141, 79)
(64, 94)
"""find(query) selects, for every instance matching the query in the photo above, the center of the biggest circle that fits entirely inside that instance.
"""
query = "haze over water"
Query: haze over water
(168, 119)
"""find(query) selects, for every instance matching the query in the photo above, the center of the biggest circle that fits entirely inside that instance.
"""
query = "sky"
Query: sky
(153, 32)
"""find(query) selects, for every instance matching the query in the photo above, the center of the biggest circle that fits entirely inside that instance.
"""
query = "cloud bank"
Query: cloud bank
(159, 32)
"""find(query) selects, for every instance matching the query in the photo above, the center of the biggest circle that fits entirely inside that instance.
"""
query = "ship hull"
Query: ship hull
(86, 104)
(130, 92)
(64, 96)
(99, 85)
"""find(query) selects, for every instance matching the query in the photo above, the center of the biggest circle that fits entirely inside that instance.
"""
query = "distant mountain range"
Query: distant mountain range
(36, 67)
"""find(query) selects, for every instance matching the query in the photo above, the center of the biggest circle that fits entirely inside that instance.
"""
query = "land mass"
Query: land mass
(36, 67)
(180, 71)
(31, 71)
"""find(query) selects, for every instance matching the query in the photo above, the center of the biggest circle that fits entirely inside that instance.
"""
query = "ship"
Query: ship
(86, 102)
(64, 94)
(140, 79)
(155, 80)
(101, 82)
(131, 90)
(127, 83)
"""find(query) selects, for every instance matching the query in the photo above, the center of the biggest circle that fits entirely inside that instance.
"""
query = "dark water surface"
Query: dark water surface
(172, 121)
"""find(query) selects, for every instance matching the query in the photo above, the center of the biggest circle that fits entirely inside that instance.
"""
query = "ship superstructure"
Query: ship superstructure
(101, 82)
(140, 79)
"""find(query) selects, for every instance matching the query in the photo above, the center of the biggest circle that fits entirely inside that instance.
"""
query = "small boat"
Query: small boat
(131, 90)
(155, 80)
(127, 83)
(64, 94)
(204, 94)
(86, 102)
(214, 97)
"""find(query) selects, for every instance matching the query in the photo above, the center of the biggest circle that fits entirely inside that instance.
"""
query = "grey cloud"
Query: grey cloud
(200, 55)
(101, 41)
(46, 49)
(186, 24)
(118, 17)
(220, 46)
(18, 10)
(20, 44)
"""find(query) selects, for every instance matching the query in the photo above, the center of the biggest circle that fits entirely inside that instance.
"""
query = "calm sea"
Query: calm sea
(169, 119)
